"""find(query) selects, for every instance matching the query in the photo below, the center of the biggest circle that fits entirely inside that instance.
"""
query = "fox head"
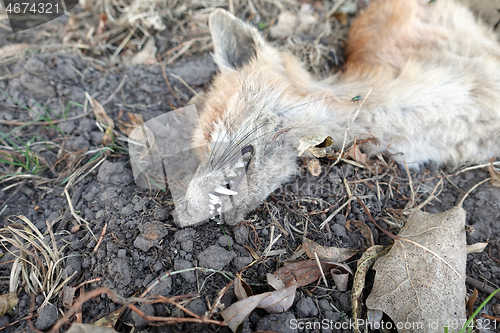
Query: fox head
(247, 124)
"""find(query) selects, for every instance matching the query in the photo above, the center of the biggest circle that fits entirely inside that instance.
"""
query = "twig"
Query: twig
(43, 123)
(320, 268)
(100, 238)
(472, 189)
(168, 82)
(481, 286)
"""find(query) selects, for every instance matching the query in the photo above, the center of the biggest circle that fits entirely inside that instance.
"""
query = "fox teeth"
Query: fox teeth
(224, 182)
(225, 191)
(214, 199)
(231, 174)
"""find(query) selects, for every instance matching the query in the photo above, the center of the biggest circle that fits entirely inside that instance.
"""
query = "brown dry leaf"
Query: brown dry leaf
(237, 312)
(13, 49)
(8, 302)
(422, 278)
(329, 254)
(110, 320)
(316, 144)
(304, 272)
(494, 174)
(241, 289)
(280, 300)
(355, 153)
(340, 279)
(101, 115)
(364, 264)
(68, 294)
(470, 303)
(314, 167)
(365, 230)
(134, 120)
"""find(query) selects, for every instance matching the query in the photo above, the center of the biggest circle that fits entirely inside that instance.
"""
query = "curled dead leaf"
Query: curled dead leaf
(241, 289)
(340, 279)
(134, 120)
(101, 115)
(316, 144)
(237, 312)
(364, 264)
(8, 302)
(329, 254)
(280, 300)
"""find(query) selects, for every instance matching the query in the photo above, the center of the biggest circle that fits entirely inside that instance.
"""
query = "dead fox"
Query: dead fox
(434, 74)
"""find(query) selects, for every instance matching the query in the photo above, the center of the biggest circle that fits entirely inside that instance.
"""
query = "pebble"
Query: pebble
(215, 257)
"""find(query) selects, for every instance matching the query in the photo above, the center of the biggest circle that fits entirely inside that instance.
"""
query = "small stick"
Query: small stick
(43, 123)
(100, 238)
(481, 286)
(168, 82)
(320, 269)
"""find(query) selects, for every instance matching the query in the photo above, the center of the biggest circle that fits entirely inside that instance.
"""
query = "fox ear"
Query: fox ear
(235, 42)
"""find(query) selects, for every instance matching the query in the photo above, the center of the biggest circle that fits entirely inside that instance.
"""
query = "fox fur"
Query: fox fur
(434, 74)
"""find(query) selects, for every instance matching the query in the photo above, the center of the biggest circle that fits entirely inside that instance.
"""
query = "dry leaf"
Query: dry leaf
(68, 293)
(134, 120)
(8, 302)
(364, 264)
(422, 278)
(314, 167)
(110, 320)
(305, 272)
(329, 254)
(340, 279)
(241, 289)
(13, 49)
(470, 303)
(476, 248)
(147, 55)
(365, 230)
(101, 115)
(355, 153)
(237, 312)
(280, 300)
(316, 144)
(285, 281)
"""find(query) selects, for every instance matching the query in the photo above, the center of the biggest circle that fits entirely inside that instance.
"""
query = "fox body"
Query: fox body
(433, 71)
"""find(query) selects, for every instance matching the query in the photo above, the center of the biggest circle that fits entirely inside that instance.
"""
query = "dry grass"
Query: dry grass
(38, 260)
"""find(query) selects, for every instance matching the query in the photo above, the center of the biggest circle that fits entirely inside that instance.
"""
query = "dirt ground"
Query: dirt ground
(141, 242)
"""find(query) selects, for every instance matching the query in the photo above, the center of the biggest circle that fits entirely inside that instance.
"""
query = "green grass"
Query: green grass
(30, 163)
